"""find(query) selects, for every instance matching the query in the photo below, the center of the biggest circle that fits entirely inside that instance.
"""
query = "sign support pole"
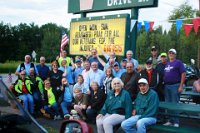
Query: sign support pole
(133, 34)
(83, 15)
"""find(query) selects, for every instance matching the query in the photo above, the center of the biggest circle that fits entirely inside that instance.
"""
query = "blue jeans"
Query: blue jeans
(172, 95)
(28, 102)
(136, 125)
(53, 110)
(64, 105)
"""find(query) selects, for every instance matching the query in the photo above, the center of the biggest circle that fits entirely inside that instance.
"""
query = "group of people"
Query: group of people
(106, 92)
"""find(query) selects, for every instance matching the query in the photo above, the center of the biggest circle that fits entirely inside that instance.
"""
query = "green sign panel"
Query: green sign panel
(79, 6)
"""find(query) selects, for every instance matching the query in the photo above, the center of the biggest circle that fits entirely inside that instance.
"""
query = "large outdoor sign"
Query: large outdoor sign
(78, 6)
(106, 34)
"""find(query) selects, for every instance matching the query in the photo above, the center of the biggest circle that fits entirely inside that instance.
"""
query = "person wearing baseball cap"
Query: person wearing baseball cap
(148, 99)
(150, 74)
(174, 78)
(160, 69)
(154, 56)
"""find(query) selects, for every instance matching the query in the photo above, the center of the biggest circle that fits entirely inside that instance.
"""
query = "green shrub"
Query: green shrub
(9, 66)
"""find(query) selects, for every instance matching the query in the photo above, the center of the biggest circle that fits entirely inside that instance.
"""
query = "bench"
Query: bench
(185, 111)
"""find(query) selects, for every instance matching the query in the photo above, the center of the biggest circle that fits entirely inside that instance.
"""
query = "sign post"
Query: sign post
(34, 55)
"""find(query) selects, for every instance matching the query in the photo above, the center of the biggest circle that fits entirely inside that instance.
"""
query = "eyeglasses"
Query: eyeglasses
(170, 53)
(47, 83)
(117, 83)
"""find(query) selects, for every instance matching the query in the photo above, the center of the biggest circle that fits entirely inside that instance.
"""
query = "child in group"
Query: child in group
(50, 103)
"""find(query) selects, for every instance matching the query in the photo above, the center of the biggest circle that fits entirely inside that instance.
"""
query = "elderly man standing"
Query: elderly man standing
(94, 74)
(174, 78)
(43, 69)
(26, 66)
(145, 110)
(129, 55)
(130, 79)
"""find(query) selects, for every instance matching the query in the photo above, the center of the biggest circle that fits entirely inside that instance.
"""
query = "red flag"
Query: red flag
(64, 41)
(151, 26)
(188, 28)
(196, 22)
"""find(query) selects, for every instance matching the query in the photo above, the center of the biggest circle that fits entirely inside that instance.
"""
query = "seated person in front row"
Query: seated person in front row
(66, 98)
(81, 102)
(145, 111)
(49, 101)
(24, 93)
(196, 88)
(117, 108)
(96, 101)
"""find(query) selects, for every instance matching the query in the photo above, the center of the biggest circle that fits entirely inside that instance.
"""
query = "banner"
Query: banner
(151, 26)
(188, 28)
(146, 25)
(178, 25)
(107, 34)
(196, 22)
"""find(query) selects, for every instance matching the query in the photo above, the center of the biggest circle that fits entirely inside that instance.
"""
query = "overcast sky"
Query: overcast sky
(44, 11)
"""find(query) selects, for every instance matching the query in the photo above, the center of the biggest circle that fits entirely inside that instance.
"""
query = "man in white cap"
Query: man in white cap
(174, 78)
(145, 110)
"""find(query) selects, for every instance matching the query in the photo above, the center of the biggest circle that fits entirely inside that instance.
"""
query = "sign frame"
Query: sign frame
(126, 45)
(85, 6)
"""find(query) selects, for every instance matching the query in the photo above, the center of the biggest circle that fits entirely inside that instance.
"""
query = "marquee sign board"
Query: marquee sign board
(79, 6)
(107, 33)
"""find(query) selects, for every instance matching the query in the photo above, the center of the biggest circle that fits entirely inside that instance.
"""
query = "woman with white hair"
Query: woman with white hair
(117, 107)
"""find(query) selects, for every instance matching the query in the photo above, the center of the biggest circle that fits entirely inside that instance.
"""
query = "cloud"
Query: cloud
(56, 11)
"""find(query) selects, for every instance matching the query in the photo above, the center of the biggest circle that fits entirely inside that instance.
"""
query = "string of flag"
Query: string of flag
(148, 25)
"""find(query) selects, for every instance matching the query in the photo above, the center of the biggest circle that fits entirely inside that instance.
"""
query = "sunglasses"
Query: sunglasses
(171, 53)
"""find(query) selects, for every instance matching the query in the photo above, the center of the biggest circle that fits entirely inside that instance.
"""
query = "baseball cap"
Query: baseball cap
(78, 60)
(153, 48)
(163, 54)
(149, 61)
(172, 50)
(142, 81)
(116, 64)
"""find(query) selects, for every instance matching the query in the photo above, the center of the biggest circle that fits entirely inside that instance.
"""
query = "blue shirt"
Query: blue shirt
(27, 68)
(69, 75)
(97, 76)
(43, 71)
(92, 59)
(135, 62)
(67, 95)
(119, 73)
(77, 72)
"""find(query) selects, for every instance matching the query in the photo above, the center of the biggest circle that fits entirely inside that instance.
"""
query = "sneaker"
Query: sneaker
(167, 124)
(176, 125)
(58, 117)
(67, 116)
